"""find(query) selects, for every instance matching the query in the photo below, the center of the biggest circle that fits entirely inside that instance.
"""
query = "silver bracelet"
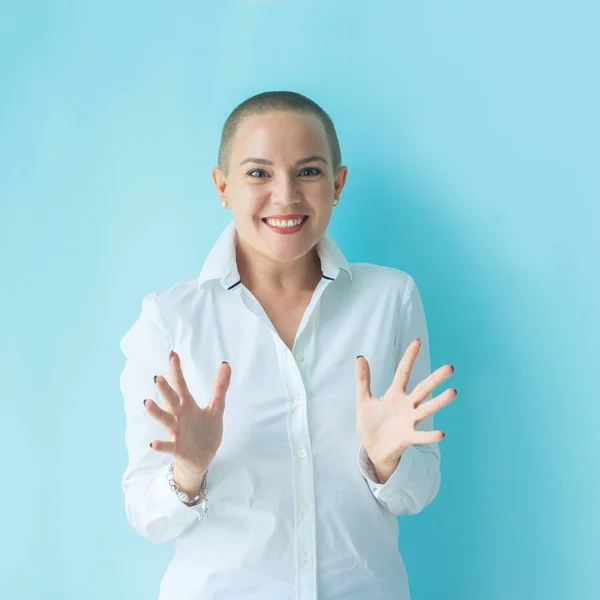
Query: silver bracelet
(184, 497)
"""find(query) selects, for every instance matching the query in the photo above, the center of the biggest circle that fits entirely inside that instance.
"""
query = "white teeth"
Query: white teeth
(284, 224)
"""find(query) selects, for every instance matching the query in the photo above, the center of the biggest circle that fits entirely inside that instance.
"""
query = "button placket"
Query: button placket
(305, 535)
(296, 372)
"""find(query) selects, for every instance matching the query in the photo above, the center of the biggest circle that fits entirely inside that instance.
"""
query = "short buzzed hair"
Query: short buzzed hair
(267, 102)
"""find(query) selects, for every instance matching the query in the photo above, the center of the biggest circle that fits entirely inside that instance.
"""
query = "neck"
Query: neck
(259, 273)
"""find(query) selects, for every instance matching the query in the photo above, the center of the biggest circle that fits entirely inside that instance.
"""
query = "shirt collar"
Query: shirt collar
(221, 260)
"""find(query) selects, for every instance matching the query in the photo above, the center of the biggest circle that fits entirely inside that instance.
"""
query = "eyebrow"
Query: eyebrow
(264, 161)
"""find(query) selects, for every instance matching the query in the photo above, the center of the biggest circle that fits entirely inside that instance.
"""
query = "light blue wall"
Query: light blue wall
(470, 130)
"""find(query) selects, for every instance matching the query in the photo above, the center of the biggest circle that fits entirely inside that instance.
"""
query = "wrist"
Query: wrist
(383, 473)
(385, 468)
(188, 481)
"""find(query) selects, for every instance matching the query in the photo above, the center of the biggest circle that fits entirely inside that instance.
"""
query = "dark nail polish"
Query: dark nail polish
(171, 355)
(145, 402)
(452, 368)
(150, 444)
(155, 379)
(224, 362)
(360, 356)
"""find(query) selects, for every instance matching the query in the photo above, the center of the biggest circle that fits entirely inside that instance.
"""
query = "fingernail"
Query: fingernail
(155, 379)
(360, 356)
(171, 355)
(150, 444)
(419, 340)
(452, 368)
(443, 435)
(145, 402)
(224, 362)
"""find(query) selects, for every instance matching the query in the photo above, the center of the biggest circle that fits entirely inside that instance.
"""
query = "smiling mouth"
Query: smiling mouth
(304, 217)
(274, 219)
(285, 229)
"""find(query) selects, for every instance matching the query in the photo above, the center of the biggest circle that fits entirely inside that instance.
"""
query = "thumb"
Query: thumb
(363, 378)
(220, 387)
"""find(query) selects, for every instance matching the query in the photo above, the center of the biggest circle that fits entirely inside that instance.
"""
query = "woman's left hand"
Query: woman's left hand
(386, 425)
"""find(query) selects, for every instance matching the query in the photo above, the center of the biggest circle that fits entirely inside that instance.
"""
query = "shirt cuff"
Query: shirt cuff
(390, 492)
(179, 514)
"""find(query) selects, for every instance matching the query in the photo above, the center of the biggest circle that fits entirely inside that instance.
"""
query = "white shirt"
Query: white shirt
(295, 511)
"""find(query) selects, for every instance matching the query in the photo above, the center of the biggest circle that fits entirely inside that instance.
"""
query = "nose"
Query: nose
(285, 192)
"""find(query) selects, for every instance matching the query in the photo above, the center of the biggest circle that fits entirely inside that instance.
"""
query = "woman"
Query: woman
(294, 387)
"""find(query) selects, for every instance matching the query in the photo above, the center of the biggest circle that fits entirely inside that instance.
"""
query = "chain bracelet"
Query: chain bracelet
(184, 497)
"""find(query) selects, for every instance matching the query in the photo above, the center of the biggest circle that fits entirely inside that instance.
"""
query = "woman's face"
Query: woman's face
(255, 190)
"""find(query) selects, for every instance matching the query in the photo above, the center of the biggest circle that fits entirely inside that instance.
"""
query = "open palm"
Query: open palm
(386, 425)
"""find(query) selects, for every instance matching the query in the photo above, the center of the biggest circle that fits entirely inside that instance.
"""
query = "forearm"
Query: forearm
(153, 509)
(409, 486)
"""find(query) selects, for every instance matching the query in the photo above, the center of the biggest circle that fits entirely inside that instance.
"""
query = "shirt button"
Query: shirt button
(302, 453)
(299, 400)
(307, 561)
(299, 357)
(305, 507)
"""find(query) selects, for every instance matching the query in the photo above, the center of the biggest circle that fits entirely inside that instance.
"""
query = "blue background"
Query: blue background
(471, 133)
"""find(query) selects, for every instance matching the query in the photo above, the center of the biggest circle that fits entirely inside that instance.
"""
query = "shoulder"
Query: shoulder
(371, 276)
(175, 296)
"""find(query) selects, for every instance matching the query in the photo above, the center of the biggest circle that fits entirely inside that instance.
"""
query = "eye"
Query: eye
(318, 171)
(255, 171)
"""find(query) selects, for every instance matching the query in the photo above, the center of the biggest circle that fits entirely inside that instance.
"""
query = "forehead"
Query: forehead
(280, 133)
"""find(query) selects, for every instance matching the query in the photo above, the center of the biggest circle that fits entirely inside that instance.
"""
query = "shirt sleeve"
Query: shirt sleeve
(416, 480)
(152, 508)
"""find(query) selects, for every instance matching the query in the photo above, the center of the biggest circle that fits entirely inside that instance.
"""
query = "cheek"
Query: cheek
(249, 202)
(255, 194)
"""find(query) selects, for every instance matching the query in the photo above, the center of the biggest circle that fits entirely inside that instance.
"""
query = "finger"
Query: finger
(176, 378)
(161, 446)
(170, 397)
(363, 378)
(425, 387)
(405, 365)
(166, 419)
(426, 409)
(428, 437)
(220, 387)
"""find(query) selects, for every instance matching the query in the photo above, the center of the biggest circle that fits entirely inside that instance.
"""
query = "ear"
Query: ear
(220, 182)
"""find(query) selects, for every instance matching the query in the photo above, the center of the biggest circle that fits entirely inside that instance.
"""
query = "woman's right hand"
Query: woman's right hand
(195, 432)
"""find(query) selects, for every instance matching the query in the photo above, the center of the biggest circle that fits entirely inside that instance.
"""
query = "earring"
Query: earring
(335, 202)
(224, 204)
